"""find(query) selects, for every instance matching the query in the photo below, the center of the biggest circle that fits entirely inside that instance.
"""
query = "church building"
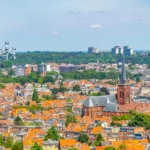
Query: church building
(112, 105)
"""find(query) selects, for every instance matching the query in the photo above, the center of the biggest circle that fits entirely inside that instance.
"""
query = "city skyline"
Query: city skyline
(75, 25)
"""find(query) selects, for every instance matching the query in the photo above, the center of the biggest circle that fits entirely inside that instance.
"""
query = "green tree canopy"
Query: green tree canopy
(18, 121)
(110, 148)
(17, 146)
(36, 146)
(117, 124)
(9, 142)
(99, 139)
(2, 86)
(11, 72)
(76, 88)
(83, 138)
(52, 134)
(40, 80)
(122, 147)
(35, 95)
(70, 118)
(2, 141)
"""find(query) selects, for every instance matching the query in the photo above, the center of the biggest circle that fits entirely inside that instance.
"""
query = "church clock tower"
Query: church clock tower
(123, 90)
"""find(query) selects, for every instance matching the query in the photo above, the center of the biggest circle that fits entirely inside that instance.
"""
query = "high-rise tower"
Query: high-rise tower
(124, 90)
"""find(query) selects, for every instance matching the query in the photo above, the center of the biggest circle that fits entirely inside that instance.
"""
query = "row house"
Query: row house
(124, 133)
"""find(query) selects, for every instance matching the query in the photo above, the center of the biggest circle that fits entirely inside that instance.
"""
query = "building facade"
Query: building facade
(123, 90)
(68, 68)
(126, 50)
(22, 70)
(93, 50)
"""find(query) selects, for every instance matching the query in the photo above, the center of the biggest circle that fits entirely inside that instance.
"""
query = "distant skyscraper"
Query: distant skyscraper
(126, 50)
(92, 50)
(117, 50)
(44, 67)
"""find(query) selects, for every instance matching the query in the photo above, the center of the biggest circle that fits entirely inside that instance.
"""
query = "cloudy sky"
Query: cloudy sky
(75, 24)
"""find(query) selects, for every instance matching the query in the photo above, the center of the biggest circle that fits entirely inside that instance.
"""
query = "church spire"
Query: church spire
(123, 78)
(97, 62)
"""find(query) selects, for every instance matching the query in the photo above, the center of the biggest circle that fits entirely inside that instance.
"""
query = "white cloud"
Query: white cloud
(96, 26)
(54, 33)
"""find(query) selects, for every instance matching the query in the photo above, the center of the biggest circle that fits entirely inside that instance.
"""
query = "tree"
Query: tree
(35, 95)
(36, 146)
(33, 76)
(70, 119)
(95, 94)
(48, 78)
(2, 141)
(117, 124)
(55, 91)
(101, 93)
(83, 138)
(18, 121)
(17, 146)
(15, 98)
(105, 91)
(9, 142)
(28, 103)
(137, 79)
(76, 88)
(122, 147)
(62, 89)
(11, 72)
(99, 139)
(2, 86)
(40, 80)
(52, 134)
(110, 148)
(69, 109)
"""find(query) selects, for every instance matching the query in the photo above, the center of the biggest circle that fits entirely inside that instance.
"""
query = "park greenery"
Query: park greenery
(33, 77)
(38, 57)
(135, 119)
(62, 57)
(91, 74)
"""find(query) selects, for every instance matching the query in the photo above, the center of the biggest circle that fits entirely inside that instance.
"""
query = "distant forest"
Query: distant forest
(38, 57)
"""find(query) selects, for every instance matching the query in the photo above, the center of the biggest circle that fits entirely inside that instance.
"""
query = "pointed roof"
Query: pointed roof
(107, 101)
(123, 78)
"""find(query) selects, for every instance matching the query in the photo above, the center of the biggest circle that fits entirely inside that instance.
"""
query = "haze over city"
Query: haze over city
(75, 25)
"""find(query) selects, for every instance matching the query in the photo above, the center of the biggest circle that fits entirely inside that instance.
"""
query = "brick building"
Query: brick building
(114, 105)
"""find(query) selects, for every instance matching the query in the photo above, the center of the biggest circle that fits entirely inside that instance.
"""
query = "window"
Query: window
(121, 94)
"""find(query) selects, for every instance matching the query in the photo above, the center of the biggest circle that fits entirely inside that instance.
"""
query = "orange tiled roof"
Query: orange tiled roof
(97, 130)
(67, 143)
